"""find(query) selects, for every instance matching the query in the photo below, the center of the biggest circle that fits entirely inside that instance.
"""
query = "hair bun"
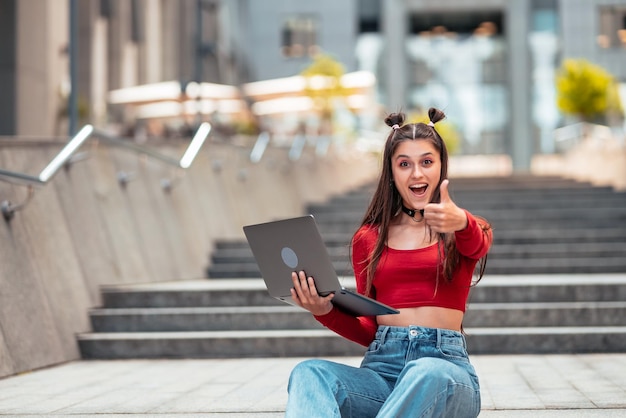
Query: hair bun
(395, 119)
(435, 115)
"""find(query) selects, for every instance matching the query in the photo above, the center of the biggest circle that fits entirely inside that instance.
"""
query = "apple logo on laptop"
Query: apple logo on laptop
(289, 257)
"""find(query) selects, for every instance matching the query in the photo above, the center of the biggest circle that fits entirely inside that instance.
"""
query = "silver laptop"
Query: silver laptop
(284, 246)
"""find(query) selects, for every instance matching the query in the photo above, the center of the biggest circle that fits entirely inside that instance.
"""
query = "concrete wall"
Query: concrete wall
(600, 162)
(83, 229)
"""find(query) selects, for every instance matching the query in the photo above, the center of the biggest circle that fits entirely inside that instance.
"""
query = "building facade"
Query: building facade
(490, 64)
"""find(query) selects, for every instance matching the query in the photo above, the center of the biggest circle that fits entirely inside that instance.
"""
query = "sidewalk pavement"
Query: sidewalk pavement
(518, 386)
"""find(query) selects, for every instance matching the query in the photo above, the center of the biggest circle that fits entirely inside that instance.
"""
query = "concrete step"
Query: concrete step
(313, 343)
(588, 201)
(248, 268)
(243, 254)
(551, 235)
(549, 288)
(216, 344)
(575, 263)
(544, 340)
(252, 292)
(189, 293)
(523, 182)
(503, 235)
(559, 250)
(499, 198)
(250, 271)
(225, 318)
(232, 318)
(483, 186)
(179, 319)
(499, 268)
(590, 266)
(553, 265)
(546, 314)
(602, 218)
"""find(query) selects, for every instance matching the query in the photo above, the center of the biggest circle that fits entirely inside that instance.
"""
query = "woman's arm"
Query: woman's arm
(361, 330)
(475, 239)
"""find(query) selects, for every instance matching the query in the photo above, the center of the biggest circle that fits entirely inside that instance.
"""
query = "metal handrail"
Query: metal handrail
(64, 157)
(296, 149)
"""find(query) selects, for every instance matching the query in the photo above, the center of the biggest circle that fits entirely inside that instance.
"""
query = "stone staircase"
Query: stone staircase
(541, 225)
(555, 283)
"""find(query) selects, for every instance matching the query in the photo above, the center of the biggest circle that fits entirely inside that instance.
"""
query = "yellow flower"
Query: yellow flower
(323, 82)
(586, 90)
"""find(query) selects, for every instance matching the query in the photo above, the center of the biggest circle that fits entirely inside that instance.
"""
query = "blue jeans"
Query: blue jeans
(406, 372)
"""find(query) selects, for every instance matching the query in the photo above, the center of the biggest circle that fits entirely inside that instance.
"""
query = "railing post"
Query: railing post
(259, 147)
(72, 105)
(297, 146)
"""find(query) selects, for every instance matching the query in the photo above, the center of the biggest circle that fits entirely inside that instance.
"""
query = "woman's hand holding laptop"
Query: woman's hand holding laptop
(304, 294)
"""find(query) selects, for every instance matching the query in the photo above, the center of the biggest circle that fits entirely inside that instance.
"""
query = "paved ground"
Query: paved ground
(518, 386)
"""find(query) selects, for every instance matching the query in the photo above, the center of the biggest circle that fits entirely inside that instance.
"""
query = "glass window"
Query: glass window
(544, 50)
(106, 9)
(612, 27)
(299, 37)
(457, 62)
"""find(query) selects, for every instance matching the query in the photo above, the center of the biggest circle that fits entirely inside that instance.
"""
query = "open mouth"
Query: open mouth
(418, 189)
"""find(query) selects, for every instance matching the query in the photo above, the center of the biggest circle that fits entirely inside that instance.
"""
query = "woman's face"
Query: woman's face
(416, 169)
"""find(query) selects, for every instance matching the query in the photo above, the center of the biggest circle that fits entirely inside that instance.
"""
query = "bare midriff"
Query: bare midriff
(424, 316)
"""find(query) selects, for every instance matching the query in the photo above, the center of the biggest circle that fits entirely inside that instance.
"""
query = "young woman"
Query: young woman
(416, 251)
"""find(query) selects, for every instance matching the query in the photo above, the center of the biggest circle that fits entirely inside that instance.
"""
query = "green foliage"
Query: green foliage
(587, 91)
(445, 129)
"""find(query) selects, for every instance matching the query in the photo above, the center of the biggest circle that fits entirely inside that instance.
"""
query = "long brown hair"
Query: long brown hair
(386, 202)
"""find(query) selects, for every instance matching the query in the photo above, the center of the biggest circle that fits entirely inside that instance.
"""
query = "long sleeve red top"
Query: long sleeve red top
(408, 278)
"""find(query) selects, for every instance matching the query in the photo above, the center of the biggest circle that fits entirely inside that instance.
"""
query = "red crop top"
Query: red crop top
(407, 278)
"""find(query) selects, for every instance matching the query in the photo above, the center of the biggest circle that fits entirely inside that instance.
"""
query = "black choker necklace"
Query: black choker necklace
(412, 212)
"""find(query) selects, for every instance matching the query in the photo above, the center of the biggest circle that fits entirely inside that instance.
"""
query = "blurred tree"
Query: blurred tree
(587, 91)
(445, 129)
(323, 85)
